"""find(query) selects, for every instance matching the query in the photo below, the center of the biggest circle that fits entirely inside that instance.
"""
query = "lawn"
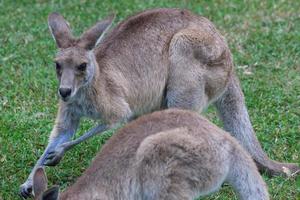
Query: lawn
(264, 37)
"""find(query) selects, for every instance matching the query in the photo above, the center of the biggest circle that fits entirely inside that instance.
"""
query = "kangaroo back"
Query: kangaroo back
(172, 154)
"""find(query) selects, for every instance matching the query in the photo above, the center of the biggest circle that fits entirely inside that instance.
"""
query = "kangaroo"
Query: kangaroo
(157, 59)
(171, 154)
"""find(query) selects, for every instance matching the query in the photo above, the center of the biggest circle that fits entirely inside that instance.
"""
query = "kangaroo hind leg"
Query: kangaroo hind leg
(233, 112)
(244, 177)
(174, 165)
(200, 66)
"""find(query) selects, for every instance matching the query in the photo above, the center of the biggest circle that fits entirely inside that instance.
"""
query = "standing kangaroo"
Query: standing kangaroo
(161, 58)
(171, 154)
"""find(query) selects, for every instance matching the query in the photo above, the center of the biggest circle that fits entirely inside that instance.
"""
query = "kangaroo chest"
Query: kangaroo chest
(85, 107)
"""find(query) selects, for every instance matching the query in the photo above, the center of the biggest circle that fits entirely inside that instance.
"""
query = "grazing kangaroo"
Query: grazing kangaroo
(171, 154)
(157, 59)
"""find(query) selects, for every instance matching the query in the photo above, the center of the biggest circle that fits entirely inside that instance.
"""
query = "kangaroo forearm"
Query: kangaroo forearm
(85, 136)
(59, 139)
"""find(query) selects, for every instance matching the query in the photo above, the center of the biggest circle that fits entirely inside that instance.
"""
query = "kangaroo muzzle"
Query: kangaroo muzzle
(65, 92)
(66, 84)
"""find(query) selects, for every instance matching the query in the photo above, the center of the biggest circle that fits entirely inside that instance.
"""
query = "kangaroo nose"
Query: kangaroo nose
(65, 92)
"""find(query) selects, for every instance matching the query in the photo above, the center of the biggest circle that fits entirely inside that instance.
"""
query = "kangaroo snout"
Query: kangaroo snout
(65, 92)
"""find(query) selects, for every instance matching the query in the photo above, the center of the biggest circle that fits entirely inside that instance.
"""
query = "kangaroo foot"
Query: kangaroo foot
(276, 168)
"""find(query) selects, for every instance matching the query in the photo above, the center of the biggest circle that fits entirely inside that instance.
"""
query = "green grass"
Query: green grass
(264, 37)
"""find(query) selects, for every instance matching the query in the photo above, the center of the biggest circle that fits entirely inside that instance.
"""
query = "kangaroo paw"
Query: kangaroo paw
(54, 157)
(26, 189)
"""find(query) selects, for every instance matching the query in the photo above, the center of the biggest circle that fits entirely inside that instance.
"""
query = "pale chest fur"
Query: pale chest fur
(84, 106)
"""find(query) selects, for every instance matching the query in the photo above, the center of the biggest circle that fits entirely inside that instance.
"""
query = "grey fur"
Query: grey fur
(156, 59)
(167, 155)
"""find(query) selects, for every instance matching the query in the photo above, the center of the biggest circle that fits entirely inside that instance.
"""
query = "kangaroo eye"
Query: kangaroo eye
(58, 66)
(82, 67)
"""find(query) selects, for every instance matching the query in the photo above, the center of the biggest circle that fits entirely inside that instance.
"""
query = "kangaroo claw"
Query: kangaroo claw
(26, 190)
(54, 157)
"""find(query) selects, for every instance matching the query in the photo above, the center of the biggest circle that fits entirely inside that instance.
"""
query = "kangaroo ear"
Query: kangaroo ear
(39, 182)
(60, 30)
(51, 194)
(93, 36)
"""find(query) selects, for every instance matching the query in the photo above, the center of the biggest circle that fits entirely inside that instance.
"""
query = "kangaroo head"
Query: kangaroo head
(74, 61)
(40, 190)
